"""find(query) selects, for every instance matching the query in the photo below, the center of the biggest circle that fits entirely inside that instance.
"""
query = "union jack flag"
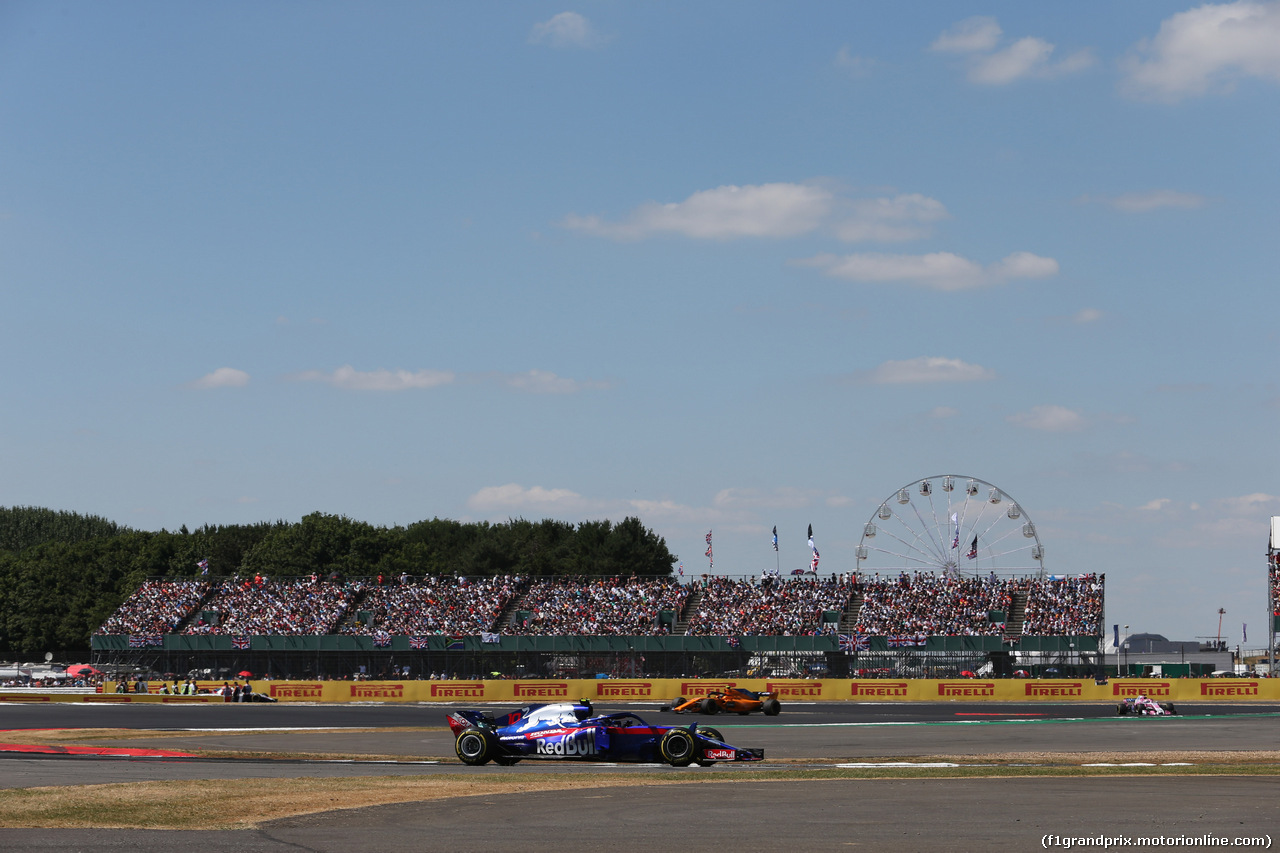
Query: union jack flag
(240, 642)
(734, 643)
(417, 642)
(137, 642)
(155, 640)
(382, 640)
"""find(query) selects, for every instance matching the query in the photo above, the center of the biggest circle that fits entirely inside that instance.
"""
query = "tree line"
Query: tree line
(62, 574)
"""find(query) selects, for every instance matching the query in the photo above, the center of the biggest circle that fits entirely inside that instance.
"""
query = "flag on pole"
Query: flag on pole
(955, 523)
(1244, 632)
(775, 537)
(973, 548)
(710, 559)
(203, 566)
(813, 566)
(682, 570)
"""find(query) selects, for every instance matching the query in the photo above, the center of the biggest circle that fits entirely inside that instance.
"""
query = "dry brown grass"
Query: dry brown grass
(245, 803)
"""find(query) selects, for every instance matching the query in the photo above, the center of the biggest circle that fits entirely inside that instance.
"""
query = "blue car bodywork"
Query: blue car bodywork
(572, 731)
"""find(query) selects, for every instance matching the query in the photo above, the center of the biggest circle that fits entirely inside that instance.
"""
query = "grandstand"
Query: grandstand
(841, 626)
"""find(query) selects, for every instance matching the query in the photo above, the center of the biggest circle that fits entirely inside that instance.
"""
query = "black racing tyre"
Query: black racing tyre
(714, 734)
(680, 700)
(678, 748)
(772, 707)
(1169, 709)
(474, 747)
(1122, 709)
(709, 706)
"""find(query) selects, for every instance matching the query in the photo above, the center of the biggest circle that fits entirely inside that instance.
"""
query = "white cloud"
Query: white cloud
(724, 213)
(779, 498)
(514, 497)
(1246, 504)
(546, 382)
(348, 378)
(1156, 200)
(890, 220)
(925, 369)
(855, 66)
(1156, 505)
(1208, 48)
(937, 271)
(977, 38)
(567, 29)
(775, 210)
(223, 377)
(976, 34)
(1049, 419)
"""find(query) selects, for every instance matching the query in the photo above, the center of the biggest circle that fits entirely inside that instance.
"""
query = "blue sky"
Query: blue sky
(722, 266)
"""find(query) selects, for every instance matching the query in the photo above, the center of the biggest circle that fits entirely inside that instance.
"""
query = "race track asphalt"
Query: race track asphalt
(901, 815)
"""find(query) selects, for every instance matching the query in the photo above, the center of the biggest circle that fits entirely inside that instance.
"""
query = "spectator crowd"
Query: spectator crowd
(772, 607)
(919, 604)
(158, 607)
(436, 605)
(597, 606)
(928, 604)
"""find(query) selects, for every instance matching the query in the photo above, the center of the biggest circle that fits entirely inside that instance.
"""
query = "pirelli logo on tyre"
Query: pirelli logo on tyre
(1054, 688)
(1140, 688)
(1239, 688)
(458, 690)
(377, 691)
(311, 690)
(705, 688)
(541, 689)
(624, 689)
(966, 688)
(795, 689)
(879, 688)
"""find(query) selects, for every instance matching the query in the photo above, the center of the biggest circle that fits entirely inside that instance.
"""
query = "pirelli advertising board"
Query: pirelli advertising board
(659, 690)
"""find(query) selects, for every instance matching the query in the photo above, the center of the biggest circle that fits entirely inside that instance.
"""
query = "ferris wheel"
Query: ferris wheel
(950, 524)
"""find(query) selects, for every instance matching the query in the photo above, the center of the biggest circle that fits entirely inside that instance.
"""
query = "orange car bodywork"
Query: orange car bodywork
(735, 700)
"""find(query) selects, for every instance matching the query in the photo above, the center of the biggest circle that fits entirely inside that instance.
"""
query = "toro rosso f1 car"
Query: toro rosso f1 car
(735, 700)
(571, 731)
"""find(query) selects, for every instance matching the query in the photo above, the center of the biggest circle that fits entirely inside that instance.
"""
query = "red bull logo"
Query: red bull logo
(623, 689)
(457, 690)
(377, 691)
(1239, 688)
(967, 689)
(1140, 688)
(795, 689)
(1060, 689)
(571, 744)
(541, 689)
(880, 689)
(311, 690)
(718, 754)
(705, 688)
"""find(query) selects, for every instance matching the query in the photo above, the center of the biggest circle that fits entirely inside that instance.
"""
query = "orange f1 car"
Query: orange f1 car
(735, 700)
